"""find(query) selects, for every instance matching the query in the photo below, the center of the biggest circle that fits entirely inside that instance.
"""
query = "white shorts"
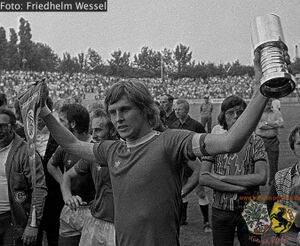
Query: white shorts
(72, 221)
(97, 232)
(200, 193)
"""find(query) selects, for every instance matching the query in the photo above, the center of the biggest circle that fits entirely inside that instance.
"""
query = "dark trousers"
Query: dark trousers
(272, 148)
(183, 216)
(7, 237)
(69, 241)
(50, 220)
(223, 227)
(206, 121)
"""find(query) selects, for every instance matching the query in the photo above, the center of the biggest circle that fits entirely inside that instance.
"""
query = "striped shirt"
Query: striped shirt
(241, 163)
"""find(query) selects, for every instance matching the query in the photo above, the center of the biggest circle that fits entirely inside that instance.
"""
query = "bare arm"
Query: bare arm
(193, 180)
(206, 179)
(266, 125)
(66, 183)
(278, 123)
(259, 177)
(72, 201)
(54, 171)
(65, 138)
(235, 138)
(216, 184)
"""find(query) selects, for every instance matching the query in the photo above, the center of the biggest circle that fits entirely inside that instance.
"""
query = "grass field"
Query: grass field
(192, 234)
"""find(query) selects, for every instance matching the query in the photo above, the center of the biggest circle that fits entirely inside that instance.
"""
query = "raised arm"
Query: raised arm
(235, 138)
(65, 138)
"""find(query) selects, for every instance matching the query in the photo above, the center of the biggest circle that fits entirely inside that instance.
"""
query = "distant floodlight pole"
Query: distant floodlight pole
(162, 68)
(228, 69)
(24, 63)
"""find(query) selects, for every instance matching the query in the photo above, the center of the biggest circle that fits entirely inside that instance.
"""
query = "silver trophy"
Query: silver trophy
(267, 38)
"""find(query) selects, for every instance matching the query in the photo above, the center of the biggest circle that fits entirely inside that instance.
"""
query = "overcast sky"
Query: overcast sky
(215, 30)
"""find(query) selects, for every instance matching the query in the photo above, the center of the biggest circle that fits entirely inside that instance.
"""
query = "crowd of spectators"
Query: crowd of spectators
(189, 88)
(78, 85)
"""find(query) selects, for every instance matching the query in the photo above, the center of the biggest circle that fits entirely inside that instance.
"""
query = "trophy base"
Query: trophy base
(278, 84)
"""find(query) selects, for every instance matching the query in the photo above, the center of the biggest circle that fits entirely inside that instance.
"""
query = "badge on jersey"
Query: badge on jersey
(282, 217)
(20, 196)
(117, 164)
(256, 217)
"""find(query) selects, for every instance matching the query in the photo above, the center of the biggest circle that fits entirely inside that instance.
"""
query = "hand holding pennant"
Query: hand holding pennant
(31, 103)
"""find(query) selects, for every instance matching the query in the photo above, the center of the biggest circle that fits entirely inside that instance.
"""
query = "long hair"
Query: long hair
(229, 102)
(292, 138)
(138, 94)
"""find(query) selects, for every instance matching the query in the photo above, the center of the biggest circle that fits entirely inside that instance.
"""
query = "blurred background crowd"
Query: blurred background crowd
(78, 85)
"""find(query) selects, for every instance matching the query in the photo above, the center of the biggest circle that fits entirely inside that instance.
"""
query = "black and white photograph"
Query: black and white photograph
(149, 123)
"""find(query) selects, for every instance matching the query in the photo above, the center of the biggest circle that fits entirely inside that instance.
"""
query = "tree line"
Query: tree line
(20, 52)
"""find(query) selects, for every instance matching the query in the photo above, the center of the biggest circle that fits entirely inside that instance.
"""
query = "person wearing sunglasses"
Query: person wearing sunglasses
(235, 175)
(19, 195)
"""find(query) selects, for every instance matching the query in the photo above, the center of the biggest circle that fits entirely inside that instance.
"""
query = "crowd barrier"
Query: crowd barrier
(220, 100)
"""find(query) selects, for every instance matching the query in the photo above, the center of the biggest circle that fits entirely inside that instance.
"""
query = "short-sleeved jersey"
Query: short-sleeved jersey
(102, 206)
(80, 185)
(147, 186)
(191, 125)
(241, 163)
(206, 109)
(271, 116)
